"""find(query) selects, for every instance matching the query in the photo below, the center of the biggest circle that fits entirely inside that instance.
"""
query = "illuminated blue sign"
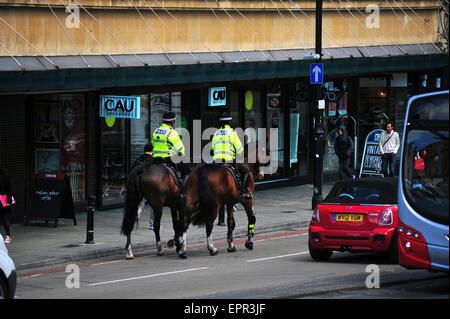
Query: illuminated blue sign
(120, 106)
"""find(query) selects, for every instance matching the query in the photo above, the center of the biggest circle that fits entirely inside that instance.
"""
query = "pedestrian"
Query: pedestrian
(6, 200)
(343, 147)
(389, 145)
(145, 158)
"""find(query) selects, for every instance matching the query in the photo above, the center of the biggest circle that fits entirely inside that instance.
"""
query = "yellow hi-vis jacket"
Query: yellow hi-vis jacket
(226, 144)
(166, 142)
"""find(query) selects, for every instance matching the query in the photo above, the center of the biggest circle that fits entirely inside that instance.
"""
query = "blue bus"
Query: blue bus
(423, 230)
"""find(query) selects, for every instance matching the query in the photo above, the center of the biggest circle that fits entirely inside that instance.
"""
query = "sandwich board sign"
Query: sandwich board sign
(372, 157)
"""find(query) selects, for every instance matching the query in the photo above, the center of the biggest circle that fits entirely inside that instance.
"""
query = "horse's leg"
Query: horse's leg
(231, 224)
(248, 205)
(212, 250)
(129, 254)
(177, 227)
(157, 226)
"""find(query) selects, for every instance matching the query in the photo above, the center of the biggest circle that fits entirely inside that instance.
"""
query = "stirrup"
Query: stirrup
(247, 196)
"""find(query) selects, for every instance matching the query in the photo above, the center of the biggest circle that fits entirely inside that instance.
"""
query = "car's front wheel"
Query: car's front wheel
(319, 254)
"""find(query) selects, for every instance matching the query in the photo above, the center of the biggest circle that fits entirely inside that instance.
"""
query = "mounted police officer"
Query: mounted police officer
(226, 145)
(167, 143)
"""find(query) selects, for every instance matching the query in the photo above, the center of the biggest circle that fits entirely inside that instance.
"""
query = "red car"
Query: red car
(358, 215)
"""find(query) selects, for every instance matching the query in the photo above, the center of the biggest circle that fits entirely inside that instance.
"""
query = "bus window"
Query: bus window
(426, 161)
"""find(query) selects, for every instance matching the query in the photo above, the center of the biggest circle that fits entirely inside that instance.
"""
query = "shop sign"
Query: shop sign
(372, 157)
(217, 96)
(120, 106)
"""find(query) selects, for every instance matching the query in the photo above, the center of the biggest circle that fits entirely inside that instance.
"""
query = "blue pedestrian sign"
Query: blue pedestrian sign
(316, 73)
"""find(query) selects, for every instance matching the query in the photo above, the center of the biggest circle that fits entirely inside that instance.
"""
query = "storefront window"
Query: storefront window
(59, 139)
(335, 94)
(298, 102)
(165, 102)
(140, 130)
(372, 107)
(275, 120)
(113, 159)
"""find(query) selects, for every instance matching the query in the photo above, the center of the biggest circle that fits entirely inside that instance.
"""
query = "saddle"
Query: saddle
(172, 171)
(240, 181)
(234, 172)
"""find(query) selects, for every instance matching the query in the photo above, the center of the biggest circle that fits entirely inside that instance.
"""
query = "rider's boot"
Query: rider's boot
(183, 187)
(244, 189)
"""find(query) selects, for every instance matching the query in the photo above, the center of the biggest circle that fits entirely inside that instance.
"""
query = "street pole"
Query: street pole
(318, 117)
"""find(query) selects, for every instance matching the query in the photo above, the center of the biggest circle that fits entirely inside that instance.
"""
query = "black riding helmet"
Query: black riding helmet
(169, 117)
(225, 118)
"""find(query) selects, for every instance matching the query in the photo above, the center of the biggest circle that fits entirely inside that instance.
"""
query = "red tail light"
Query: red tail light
(413, 250)
(387, 217)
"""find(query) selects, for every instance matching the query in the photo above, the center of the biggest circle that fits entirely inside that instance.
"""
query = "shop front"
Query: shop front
(65, 132)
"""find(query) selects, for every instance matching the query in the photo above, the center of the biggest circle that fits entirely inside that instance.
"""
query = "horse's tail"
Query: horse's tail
(207, 204)
(133, 196)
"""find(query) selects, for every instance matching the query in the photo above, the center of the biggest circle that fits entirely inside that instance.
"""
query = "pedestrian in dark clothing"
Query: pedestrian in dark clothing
(343, 147)
(5, 190)
(147, 156)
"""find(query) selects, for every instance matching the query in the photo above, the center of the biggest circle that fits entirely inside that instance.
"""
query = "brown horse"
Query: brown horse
(209, 187)
(153, 182)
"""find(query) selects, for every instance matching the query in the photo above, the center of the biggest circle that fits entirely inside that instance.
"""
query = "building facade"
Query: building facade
(59, 60)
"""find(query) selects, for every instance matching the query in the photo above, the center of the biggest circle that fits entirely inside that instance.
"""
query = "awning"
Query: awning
(73, 73)
(39, 63)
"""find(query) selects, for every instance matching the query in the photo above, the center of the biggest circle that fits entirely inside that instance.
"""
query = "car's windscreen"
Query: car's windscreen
(362, 194)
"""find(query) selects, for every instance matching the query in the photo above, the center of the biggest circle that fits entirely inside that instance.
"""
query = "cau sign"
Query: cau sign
(120, 106)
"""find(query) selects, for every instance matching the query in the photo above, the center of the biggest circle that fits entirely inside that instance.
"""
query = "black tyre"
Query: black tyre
(319, 254)
(3, 288)
(392, 253)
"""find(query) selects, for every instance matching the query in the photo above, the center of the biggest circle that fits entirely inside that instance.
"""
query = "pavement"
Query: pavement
(40, 245)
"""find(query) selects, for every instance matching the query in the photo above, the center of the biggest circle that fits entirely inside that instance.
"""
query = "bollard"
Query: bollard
(90, 220)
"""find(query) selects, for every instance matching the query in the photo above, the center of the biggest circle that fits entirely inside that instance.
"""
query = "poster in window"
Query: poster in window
(72, 131)
(73, 143)
(273, 101)
(47, 123)
(46, 160)
(343, 104)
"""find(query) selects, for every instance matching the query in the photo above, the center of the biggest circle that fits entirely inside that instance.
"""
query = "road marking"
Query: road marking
(107, 262)
(257, 239)
(275, 257)
(148, 276)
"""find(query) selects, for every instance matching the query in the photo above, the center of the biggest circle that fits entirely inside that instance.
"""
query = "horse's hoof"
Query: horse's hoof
(129, 257)
(182, 256)
(214, 252)
(231, 250)
(160, 253)
(249, 245)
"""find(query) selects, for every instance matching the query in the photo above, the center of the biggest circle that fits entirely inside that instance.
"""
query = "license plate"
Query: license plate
(348, 217)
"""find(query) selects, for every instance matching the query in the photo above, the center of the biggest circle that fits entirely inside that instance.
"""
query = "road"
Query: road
(278, 267)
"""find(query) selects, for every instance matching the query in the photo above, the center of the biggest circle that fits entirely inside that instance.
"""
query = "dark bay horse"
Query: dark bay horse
(153, 182)
(209, 187)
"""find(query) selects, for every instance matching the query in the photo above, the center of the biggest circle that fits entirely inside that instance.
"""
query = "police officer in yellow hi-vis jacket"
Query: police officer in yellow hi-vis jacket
(226, 145)
(167, 143)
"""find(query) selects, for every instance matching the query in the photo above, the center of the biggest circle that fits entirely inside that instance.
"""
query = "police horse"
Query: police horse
(211, 186)
(155, 182)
